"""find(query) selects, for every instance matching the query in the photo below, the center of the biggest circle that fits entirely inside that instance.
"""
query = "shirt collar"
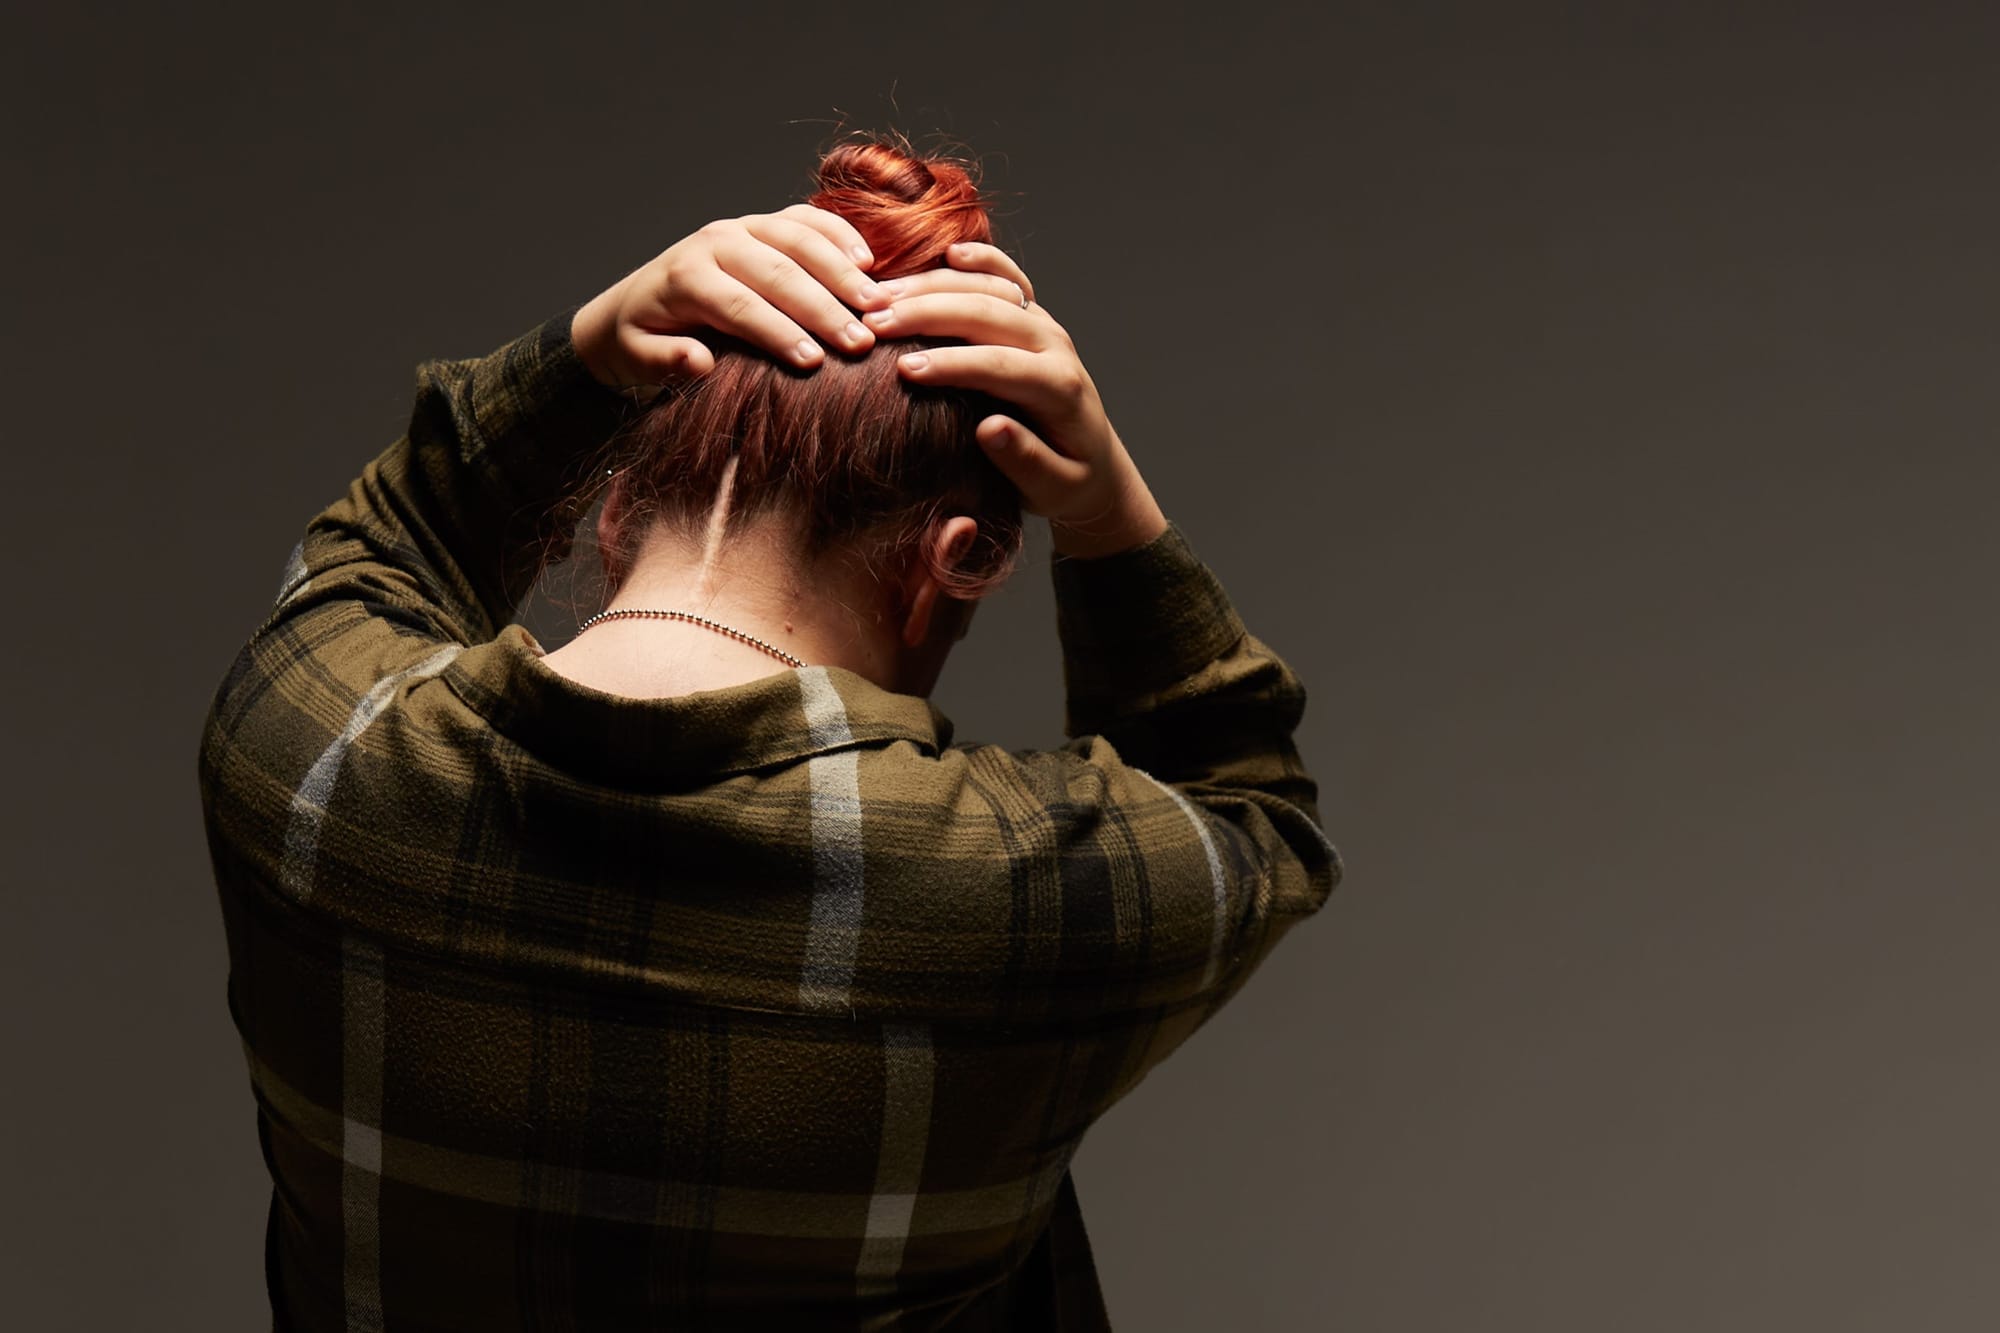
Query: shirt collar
(773, 719)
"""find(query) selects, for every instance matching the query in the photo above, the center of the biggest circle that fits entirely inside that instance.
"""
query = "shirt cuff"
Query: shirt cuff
(1139, 620)
(536, 404)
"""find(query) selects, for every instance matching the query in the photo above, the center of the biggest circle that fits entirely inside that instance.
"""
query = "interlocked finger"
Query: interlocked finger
(735, 307)
(798, 277)
(977, 316)
(1050, 388)
(985, 257)
(836, 228)
(957, 280)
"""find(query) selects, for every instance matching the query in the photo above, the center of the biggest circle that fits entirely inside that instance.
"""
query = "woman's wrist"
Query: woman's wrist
(1134, 520)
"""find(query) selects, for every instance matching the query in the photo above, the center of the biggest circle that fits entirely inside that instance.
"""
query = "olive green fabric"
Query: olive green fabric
(766, 1006)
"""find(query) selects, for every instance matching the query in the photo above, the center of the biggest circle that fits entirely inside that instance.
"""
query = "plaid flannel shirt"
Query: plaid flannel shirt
(760, 1007)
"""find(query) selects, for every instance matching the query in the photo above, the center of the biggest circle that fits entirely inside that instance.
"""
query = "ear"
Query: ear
(922, 590)
(611, 532)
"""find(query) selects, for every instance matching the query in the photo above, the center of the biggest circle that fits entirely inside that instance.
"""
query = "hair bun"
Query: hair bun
(909, 207)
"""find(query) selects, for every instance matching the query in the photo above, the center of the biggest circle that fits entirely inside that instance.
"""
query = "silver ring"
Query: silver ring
(1024, 300)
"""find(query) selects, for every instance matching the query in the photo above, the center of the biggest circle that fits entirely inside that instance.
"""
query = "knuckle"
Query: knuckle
(735, 306)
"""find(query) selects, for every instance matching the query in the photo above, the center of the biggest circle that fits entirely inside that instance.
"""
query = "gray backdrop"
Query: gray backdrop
(1594, 405)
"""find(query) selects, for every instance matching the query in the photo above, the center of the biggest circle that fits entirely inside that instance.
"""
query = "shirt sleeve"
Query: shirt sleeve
(1180, 795)
(435, 544)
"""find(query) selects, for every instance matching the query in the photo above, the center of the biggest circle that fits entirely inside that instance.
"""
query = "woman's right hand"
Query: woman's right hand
(773, 279)
(1073, 470)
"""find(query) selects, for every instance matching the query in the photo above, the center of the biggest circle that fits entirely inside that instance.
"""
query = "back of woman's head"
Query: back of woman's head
(849, 455)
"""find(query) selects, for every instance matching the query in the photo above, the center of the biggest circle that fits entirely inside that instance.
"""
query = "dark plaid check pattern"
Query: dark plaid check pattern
(761, 1007)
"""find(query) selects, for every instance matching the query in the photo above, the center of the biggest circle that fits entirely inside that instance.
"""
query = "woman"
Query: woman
(690, 975)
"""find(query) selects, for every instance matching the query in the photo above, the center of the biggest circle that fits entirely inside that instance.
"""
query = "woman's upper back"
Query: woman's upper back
(767, 993)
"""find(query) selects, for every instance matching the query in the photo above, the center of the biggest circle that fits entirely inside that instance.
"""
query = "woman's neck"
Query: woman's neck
(832, 615)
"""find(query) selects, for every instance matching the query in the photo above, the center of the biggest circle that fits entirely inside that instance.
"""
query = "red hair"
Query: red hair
(849, 453)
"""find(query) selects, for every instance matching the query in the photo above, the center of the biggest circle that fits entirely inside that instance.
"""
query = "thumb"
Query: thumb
(666, 359)
(1044, 477)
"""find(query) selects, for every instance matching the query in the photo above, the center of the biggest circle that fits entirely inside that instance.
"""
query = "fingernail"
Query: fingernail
(861, 255)
(855, 333)
(893, 288)
(868, 290)
(807, 349)
(917, 360)
(882, 318)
